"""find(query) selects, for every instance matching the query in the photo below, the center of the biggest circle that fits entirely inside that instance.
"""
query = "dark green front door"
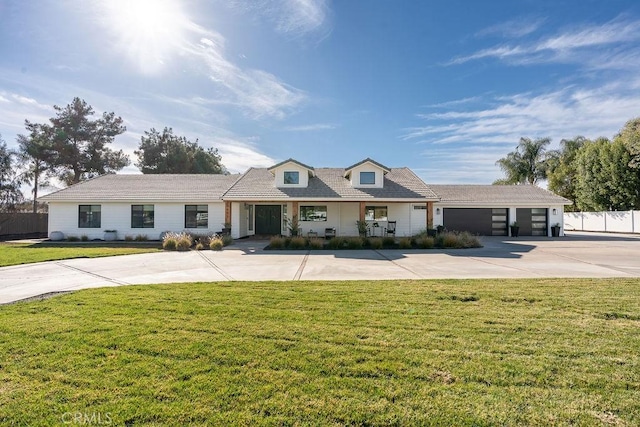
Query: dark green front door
(268, 219)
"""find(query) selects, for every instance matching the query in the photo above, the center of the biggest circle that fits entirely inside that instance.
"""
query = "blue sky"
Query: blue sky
(443, 87)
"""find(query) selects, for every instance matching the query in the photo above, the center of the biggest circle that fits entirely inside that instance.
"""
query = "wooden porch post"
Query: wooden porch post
(429, 214)
(362, 210)
(227, 212)
(294, 209)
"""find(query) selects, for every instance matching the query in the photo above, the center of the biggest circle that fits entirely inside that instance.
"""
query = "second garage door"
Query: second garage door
(482, 221)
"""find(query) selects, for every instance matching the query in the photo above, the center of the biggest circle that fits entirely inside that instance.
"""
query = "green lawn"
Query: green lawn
(26, 253)
(474, 352)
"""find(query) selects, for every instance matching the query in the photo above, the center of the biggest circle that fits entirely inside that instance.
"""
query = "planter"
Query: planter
(431, 232)
(226, 231)
(110, 235)
(555, 231)
(56, 236)
(515, 230)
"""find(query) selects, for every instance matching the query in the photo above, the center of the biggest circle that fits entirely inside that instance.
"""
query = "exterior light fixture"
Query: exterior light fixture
(555, 211)
(437, 211)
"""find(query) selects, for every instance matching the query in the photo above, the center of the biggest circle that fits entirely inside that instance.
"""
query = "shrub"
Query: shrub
(425, 242)
(141, 238)
(388, 241)
(406, 243)
(375, 243)
(297, 242)
(449, 240)
(468, 240)
(128, 238)
(336, 242)
(216, 244)
(170, 242)
(316, 243)
(355, 242)
(184, 242)
(277, 242)
(227, 240)
(73, 239)
(84, 238)
(199, 246)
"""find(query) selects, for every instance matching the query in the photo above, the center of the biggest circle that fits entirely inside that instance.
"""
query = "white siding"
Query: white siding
(349, 214)
(291, 167)
(401, 213)
(333, 218)
(63, 217)
(367, 167)
(418, 218)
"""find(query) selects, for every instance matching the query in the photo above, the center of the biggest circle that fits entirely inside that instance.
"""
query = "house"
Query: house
(264, 201)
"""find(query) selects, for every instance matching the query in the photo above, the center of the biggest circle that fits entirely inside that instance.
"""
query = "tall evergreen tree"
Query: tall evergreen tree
(525, 165)
(10, 194)
(37, 157)
(561, 169)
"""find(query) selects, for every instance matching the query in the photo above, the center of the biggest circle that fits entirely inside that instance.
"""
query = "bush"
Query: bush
(375, 243)
(216, 244)
(388, 241)
(199, 246)
(128, 238)
(449, 240)
(297, 242)
(141, 238)
(316, 243)
(425, 242)
(468, 240)
(406, 243)
(355, 242)
(170, 242)
(336, 243)
(73, 239)
(185, 241)
(227, 240)
(277, 242)
(84, 238)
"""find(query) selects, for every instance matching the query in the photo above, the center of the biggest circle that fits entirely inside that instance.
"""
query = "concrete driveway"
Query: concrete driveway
(575, 255)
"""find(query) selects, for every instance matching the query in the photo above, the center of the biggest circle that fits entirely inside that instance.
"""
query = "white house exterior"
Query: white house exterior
(264, 201)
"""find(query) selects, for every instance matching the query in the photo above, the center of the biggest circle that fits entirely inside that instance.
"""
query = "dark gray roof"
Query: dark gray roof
(158, 187)
(330, 183)
(292, 161)
(498, 194)
(380, 165)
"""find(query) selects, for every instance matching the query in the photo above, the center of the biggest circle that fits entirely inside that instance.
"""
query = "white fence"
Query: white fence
(615, 222)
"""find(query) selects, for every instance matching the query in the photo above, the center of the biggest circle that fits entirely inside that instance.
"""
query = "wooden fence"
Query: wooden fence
(23, 225)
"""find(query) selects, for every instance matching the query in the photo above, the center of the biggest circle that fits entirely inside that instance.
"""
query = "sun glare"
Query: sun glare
(148, 32)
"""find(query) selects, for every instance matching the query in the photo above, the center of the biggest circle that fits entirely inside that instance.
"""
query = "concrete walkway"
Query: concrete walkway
(575, 255)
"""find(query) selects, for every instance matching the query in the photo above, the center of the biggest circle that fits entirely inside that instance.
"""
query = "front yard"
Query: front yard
(26, 253)
(472, 352)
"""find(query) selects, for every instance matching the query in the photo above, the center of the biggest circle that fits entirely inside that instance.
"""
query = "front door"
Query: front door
(268, 219)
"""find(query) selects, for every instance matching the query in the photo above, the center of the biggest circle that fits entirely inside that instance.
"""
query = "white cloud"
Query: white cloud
(513, 28)
(468, 141)
(589, 45)
(310, 128)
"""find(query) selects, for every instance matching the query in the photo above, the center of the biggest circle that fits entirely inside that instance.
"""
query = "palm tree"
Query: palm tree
(525, 165)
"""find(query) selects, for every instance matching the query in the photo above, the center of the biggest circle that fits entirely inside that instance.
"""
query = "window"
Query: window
(313, 213)
(292, 177)
(142, 216)
(196, 216)
(89, 216)
(367, 178)
(375, 213)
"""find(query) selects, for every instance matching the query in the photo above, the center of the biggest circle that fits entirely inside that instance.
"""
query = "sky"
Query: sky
(443, 87)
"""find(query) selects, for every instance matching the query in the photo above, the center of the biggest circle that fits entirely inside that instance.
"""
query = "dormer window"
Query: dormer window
(367, 178)
(291, 177)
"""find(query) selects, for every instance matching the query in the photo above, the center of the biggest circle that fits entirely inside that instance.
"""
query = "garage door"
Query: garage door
(483, 221)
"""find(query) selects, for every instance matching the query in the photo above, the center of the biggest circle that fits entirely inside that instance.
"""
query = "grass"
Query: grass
(473, 352)
(26, 253)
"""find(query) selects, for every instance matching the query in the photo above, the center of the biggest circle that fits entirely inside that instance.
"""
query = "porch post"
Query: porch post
(362, 210)
(429, 214)
(227, 212)
(294, 209)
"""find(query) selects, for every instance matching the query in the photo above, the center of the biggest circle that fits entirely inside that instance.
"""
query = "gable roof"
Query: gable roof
(157, 187)
(497, 194)
(290, 160)
(330, 183)
(367, 160)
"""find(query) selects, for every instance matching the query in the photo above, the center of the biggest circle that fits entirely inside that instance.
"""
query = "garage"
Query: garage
(482, 221)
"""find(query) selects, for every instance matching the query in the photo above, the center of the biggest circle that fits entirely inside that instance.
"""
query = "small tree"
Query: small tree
(562, 172)
(10, 194)
(525, 165)
(168, 153)
(37, 157)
